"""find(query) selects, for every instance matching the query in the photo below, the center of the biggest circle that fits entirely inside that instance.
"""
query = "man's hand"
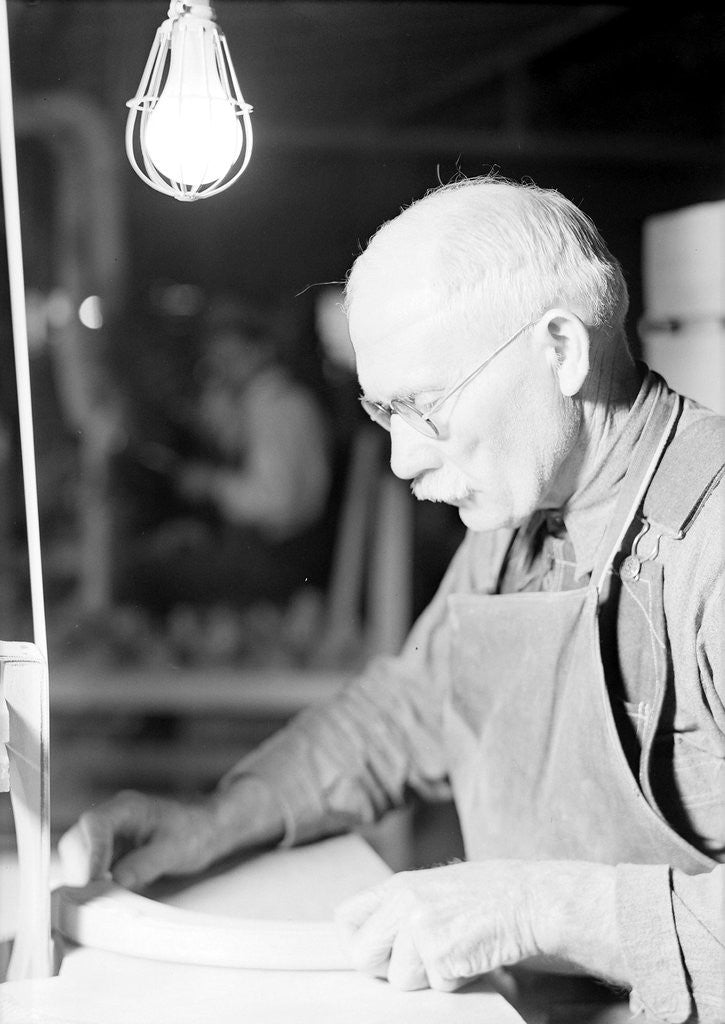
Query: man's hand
(137, 838)
(445, 926)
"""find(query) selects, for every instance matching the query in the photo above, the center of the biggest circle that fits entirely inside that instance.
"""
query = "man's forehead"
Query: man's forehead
(392, 285)
(378, 318)
(406, 354)
(405, 341)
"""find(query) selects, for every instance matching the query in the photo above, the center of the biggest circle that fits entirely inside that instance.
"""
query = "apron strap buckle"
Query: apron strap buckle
(631, 565)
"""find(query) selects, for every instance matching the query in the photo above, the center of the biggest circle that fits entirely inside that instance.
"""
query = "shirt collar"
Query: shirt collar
(589, 509)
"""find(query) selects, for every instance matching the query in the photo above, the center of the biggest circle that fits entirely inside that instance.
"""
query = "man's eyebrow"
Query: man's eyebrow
(426, 394)
(410, 395)
(374, 401)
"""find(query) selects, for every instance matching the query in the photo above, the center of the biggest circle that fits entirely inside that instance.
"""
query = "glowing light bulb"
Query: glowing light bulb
(192, 134)
(189, 124)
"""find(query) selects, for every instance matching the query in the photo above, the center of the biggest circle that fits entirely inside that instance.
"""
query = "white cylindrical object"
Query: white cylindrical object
(691, 358)
(683, 329)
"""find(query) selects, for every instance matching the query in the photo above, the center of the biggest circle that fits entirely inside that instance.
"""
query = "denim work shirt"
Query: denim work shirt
(349, 762)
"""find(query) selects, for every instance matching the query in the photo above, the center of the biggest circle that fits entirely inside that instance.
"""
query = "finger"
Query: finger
(441, 984)
(130, 814)
(80, 861)
(87, 850)
(415, 960)
(452, 964)
(449, 960)
(145, 864)
(406, 970)
(354, 912)
(372, 944)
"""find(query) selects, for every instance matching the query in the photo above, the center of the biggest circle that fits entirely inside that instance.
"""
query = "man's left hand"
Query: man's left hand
(443, 927)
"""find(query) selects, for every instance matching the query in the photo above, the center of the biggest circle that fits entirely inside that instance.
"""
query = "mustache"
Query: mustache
(447, 487)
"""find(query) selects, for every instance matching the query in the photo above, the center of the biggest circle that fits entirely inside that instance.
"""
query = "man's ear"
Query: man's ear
(567, 339)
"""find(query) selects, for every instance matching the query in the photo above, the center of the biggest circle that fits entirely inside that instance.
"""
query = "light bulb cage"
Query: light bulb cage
(150, 89)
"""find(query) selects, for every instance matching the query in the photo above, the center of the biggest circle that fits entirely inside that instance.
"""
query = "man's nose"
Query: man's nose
(411, 452)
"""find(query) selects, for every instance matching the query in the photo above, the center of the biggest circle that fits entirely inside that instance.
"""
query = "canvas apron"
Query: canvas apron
(536, 763)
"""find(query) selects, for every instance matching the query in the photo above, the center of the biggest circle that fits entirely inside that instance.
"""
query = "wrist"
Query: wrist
(576, 919)
(244, 813)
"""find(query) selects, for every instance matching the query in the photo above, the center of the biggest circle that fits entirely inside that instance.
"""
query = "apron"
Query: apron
(537, 767)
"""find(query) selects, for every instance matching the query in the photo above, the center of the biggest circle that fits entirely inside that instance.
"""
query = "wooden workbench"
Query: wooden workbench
(99, 987)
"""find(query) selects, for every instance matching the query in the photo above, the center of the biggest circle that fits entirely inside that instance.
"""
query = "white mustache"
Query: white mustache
(440, 486)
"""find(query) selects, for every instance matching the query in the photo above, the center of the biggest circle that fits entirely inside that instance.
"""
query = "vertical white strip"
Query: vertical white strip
(20, 331)
(33, 956)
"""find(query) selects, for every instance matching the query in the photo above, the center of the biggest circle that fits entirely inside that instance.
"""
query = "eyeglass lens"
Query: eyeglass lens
(377, 413)
(381, 415)
(414, 418)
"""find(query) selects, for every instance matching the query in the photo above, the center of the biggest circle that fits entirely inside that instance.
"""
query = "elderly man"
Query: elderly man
(565, 684)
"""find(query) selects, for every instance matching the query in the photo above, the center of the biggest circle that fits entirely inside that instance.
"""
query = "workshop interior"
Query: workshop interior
(181, 628)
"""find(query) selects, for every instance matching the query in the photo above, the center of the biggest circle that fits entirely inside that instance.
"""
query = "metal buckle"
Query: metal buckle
(632, 564)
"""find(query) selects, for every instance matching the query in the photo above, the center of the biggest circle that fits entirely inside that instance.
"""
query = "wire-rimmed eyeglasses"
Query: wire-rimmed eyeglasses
(423, 421)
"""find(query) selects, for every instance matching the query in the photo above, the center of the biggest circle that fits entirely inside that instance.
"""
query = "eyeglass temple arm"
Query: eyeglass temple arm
(474, 373)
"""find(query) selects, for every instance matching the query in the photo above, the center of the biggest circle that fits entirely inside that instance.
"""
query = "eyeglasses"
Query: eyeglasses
(423, 421)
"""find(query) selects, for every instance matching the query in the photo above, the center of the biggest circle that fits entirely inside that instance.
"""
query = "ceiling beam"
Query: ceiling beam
(489, 66)
(490, 146)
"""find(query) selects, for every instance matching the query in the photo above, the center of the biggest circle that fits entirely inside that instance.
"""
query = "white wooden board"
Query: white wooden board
(99, 988)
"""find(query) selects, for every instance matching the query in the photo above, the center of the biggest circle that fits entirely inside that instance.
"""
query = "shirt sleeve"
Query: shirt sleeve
(348, 762)
(672, 931)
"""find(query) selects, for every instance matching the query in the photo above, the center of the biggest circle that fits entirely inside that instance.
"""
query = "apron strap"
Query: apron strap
(658, 429)
(691, 469)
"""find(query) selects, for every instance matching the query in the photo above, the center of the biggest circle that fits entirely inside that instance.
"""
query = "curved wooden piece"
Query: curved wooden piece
(105, 916)
(267, 911)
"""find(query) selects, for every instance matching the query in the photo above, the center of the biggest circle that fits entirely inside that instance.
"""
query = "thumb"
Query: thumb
(85, 851)
(144, 865)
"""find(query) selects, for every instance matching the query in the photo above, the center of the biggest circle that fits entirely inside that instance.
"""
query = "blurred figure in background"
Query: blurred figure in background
(257, 487)
(272, 470)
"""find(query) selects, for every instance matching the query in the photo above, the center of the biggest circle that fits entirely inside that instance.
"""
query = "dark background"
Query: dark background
(359, 108)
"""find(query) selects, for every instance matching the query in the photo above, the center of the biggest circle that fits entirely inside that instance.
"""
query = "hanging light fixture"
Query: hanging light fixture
(189, 133)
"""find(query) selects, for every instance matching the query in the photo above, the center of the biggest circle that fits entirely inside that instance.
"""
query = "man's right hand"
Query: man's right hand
(136, 838)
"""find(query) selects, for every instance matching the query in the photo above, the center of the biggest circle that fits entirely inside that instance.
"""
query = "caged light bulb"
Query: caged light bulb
(192, 134)
(189, 133)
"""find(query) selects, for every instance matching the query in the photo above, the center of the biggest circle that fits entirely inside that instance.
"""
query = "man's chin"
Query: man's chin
(481, 519)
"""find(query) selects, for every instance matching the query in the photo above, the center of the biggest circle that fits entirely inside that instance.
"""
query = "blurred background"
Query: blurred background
(222, 544)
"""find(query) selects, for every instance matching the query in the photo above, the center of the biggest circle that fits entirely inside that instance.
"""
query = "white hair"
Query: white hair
(505, 250)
